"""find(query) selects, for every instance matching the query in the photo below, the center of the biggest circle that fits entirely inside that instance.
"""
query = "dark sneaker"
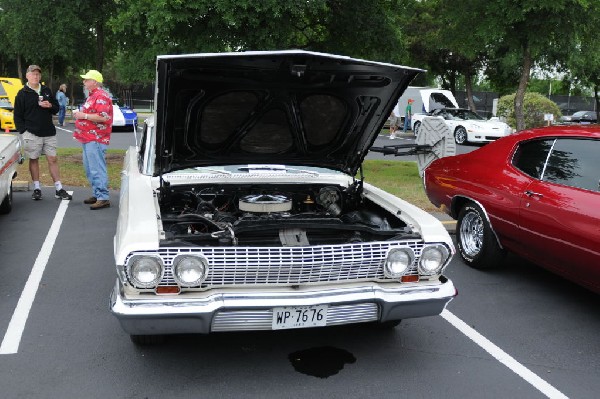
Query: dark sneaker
(91, 200)
(62, 194)
(37, 194)
(100, 204)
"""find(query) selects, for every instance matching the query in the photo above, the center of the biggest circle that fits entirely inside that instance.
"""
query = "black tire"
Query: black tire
(460, 135)
(6, 205)
(475, 239)
(416, 128)
(147, 340)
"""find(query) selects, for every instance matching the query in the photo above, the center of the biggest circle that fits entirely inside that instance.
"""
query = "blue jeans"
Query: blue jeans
(406, 123)
(94, 162)
(62, 111)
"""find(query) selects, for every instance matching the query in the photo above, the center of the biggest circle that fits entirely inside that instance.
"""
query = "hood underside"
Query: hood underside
(285, 107)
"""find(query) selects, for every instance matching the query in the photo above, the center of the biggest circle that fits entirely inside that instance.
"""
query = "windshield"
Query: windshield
(5, 103)
(465, 115)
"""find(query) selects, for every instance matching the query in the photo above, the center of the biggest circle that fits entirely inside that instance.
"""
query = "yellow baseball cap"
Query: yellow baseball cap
(94, 75)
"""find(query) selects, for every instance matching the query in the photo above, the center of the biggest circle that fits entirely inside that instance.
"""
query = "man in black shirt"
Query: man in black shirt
(33, 110)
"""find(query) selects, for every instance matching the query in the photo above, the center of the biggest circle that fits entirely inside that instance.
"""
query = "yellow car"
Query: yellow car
(8, 91)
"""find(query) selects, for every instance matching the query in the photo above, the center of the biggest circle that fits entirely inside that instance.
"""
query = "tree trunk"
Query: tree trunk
(597, 102)
(19, 67)
(50, 82)
(469, 87)
(520, 96)
(99, 44)
(452, 82)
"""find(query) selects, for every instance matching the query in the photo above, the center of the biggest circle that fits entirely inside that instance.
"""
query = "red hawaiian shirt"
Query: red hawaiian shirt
(98, 102)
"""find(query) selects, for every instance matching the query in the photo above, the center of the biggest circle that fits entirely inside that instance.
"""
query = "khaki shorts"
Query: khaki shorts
(35, 146)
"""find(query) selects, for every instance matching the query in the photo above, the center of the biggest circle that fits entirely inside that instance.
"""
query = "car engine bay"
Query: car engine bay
(269, 215)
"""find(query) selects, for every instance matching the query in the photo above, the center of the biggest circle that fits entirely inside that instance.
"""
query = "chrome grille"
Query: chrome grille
(231, 266)
(246, 320)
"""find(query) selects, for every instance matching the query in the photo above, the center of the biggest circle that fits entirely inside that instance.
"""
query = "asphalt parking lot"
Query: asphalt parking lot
(515, 332)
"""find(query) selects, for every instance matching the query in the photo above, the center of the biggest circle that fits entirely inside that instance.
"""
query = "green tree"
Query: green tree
(151, 27)
(535, 106)
(444, 37)
(584, 59)
(54, 35)
(422, 27)
(533, 32)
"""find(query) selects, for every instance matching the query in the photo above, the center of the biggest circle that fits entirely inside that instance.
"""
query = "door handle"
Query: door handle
(530, 193)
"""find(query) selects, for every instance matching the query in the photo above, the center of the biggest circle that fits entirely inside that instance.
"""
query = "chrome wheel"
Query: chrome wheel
(460, 135)
(476, 241)
(471, 234)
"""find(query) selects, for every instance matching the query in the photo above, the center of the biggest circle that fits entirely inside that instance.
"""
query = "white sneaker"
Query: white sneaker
(392, 136)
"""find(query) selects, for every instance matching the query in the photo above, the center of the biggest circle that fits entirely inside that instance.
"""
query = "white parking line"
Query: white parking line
(503, 357)
(12, 338)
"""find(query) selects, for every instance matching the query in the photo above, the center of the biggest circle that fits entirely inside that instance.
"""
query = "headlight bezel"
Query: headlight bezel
(178, 262)
(444, 258)
(387, 266)
(133, 274)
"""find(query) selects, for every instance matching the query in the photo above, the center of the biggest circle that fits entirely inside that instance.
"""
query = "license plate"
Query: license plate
(299, 317)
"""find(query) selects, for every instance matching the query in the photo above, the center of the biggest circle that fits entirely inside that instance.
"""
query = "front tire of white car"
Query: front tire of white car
(416, 128)
(475, 239)
(6, 205)
(460, 135)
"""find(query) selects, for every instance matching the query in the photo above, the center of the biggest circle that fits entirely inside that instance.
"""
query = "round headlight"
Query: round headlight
(145, 271)
(398, 261)
(190, 271)
(433, 258)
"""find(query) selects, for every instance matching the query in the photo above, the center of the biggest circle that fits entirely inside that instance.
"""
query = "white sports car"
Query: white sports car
(467, 126)
(10, 156)
(241, 208)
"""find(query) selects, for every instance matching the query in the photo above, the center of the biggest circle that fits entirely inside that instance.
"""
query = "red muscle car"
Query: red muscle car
(535, 193)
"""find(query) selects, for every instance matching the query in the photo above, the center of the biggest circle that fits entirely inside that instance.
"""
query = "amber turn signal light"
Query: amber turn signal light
(170, 289)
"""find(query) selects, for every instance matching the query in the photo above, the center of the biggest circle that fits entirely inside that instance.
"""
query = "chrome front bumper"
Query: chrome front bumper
(246, 310)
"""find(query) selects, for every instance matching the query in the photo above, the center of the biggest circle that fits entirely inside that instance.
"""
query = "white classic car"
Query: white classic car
(10, 156)
(241, 209)
(467, 126)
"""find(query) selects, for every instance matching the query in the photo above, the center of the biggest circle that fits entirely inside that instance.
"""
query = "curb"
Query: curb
(446, 220)
(450, 226)
(20, 185)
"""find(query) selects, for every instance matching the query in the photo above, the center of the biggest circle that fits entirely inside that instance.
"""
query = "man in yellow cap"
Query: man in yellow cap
(93, 126)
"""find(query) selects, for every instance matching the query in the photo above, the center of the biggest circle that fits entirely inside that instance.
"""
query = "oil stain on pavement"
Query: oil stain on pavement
(321, 362)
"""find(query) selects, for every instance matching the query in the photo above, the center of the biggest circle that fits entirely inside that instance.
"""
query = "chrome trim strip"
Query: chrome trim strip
(148, 314)
(243, 320)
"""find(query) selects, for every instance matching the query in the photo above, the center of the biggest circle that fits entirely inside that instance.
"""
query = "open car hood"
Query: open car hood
(437, 99)
(280, 107)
